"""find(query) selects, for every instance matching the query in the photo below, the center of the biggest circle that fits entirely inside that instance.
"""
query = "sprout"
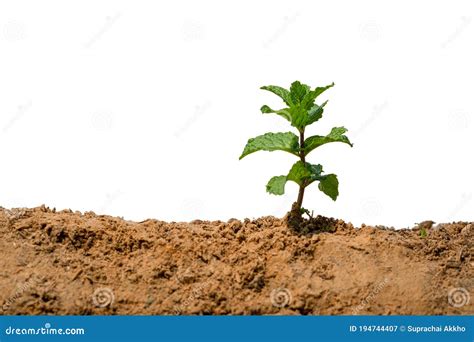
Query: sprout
(301, 111)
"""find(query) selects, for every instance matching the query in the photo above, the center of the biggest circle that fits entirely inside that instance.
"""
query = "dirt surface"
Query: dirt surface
(72, 263)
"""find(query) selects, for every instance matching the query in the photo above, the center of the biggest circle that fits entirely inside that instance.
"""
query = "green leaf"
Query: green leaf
(276, 185)
(423, 233)
(298, 91)
(279, 91)
(302, 110)
(310, 97)
(304, 174)
(308, 100)
(329, 185)
(272, 142)
(285, 112)
(315, 113)
(315, 170)
(319, 90)
(336, 135)
(299, 116)
(299, 173)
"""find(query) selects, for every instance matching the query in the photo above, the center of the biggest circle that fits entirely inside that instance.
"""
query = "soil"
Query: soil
(81, 263)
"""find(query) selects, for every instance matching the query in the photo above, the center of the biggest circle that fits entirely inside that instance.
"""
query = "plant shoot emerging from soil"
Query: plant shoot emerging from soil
(301, 111)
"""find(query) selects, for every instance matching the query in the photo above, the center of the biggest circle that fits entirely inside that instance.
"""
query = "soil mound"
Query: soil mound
(80, 263)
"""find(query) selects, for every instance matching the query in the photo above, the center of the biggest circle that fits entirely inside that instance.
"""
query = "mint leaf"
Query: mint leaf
(302, 110)
(315, 171)
(329, 185)
(304, 174)
(308, 100)
(272, 142)
(299, 116)
(285, 113)
(310, 97)
(299, 173)
(279, 91)
(315, 113)
(298, 91)
(336, 135)
(319, 90)
(276, 185)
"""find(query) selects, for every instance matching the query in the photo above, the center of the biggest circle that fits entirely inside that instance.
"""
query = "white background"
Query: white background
(141, 108)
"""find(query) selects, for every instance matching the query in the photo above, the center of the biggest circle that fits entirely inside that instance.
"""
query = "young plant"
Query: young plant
(301, 111)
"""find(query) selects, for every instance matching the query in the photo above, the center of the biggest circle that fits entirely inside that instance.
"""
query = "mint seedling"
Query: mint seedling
(301, 111)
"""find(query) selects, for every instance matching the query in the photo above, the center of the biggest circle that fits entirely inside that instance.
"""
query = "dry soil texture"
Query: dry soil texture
(72, 263)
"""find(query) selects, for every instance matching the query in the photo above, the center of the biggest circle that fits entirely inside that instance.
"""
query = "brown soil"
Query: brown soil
(72, 263)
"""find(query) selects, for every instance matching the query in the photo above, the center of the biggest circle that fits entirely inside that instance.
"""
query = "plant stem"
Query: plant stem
(299, 201)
